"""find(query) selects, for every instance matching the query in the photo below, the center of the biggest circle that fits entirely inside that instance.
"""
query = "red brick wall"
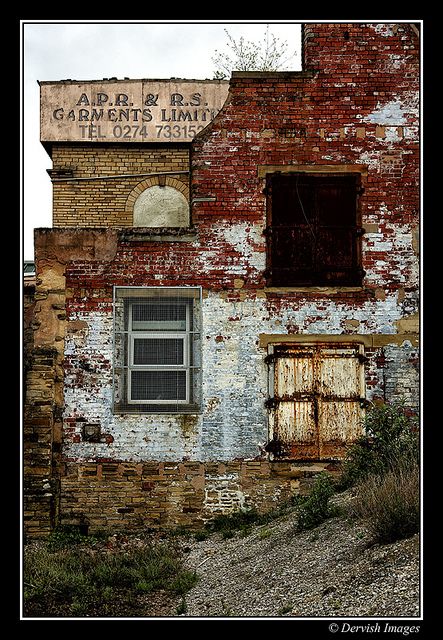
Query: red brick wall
(355, 51)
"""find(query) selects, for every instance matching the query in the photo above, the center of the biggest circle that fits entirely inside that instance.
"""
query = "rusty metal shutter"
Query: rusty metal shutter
(316, 397)
(313, 229)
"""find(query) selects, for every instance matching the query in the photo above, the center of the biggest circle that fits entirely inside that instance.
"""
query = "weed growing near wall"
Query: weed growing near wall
(315, 508)
(390, 437)
(78, 580)
(390, 503)
(384, 467)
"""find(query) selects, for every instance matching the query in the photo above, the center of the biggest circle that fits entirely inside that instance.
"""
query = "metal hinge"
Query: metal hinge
(271, 403)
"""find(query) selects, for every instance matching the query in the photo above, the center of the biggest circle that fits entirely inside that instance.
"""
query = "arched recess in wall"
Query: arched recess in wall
(160, 201)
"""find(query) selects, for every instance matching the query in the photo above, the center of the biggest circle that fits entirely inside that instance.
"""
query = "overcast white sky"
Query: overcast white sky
(55, 50)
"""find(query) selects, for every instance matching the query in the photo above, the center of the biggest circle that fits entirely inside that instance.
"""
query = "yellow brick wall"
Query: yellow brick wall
(124, 496)
(109, 202)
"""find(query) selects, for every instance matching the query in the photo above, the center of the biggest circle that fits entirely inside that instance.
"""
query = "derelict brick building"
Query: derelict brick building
(232, 274)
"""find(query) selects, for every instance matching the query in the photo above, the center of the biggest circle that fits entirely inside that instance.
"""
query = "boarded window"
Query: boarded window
(313, 229)
(157, 349)
(316, 400)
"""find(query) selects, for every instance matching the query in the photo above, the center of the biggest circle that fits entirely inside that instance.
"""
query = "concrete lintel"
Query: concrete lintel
(313, 290)
(159, 234)
(372, 340)
(263, 169)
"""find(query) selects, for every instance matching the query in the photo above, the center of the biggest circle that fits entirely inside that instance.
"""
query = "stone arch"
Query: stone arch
(159, 201)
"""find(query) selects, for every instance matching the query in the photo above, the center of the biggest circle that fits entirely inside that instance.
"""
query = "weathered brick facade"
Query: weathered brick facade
(352, 110)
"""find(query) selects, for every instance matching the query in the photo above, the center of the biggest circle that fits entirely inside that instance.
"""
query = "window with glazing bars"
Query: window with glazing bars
(157, 344)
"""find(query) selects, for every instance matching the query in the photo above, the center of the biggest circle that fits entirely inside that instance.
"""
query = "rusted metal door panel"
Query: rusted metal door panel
(285, 378)
(294, 374)
(339, 373)
(295, 431)
(339, 424)
(315, 401)
(341, 387)
(294, 416)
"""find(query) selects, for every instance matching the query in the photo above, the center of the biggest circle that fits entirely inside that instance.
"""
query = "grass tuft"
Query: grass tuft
(84, 581)
(315, 508)
(390, 503)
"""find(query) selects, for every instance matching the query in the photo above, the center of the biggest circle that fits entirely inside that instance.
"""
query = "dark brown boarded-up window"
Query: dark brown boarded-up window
(314, 231)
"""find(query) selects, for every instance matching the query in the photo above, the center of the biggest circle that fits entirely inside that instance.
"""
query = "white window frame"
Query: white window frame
(150, 335)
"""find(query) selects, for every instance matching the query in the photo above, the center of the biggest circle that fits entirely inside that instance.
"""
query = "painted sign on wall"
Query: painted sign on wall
(128, 110)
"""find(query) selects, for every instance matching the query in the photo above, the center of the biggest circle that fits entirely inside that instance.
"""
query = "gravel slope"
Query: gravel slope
(330, 571)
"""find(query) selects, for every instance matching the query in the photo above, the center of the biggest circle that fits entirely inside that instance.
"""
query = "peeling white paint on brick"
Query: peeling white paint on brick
(388, 113)
(411, 133)
(396, 62)
(392, 134)
(369, 158)
(234, 419)
(245, 238)
(383, 29)
(308, 318)
(135, 437)
(395, 112)
(397, 242)
(400, 382)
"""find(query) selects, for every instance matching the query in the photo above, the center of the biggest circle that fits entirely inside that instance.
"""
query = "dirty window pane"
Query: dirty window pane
(159, 316)
(154, 351)
(157, 344)
(158, 385)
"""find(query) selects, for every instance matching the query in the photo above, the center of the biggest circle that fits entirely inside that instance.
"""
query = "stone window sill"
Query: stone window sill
(159, 234)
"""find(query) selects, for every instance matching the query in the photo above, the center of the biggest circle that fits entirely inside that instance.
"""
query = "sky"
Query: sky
(56, 50)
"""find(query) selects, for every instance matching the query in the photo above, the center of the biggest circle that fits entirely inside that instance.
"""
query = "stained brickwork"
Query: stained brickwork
(41, 444)
(128, 496)
(354, 108)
